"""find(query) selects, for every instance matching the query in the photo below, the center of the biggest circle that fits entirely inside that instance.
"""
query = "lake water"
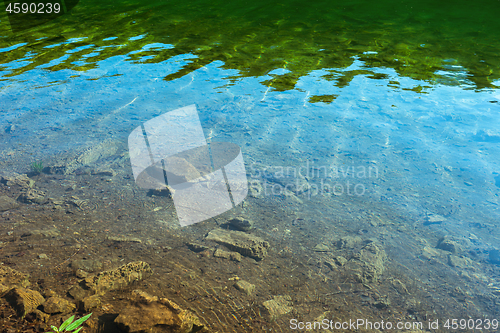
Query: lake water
(370, 133)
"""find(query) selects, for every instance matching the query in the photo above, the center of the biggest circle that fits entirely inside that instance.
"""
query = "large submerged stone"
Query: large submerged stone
(448, 244)
(7, 203)
(118, 278)
(148, 313)
(239, 223)
(278, 306)
(11, 278)
(246, 244)
(23, 300)
(32, 196)
(58, 305)
(369, 264)
(21, 180)
(88, 156)
(245, 287)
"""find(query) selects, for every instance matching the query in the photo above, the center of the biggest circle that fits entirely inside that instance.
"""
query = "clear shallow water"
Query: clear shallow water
(409, 93)
(443, 140)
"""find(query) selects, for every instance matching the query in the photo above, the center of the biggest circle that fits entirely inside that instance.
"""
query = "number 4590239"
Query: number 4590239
(33, 8)
(471, 324)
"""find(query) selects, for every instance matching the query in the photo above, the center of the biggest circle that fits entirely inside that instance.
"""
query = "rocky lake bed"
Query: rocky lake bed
(81, 238)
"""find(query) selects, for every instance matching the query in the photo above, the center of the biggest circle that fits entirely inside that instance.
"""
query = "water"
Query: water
(365, 127)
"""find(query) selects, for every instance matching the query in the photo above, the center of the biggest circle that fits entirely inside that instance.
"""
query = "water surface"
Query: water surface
(389, 110)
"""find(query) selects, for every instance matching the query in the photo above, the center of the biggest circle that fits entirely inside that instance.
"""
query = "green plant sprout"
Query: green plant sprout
(37, 167)
(67, 326)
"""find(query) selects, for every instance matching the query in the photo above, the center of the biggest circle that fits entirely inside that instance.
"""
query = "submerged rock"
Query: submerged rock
(88, 156)
(399, 286)
(81, 274)
(278, 306)
(3, 289)
(195, 247)
(40, 234)
(176, 169)
(235, 256)
(339, 260)
(148, 313)
(41, 316)
(430, 253)
(118, 278)
(349, 242)
(382, 304)
(22, 181)
(179, 170)
(58, 305)
(107, 173)
(434, 219)
(246, 244)
(90, 302)
(32, 196)
(333, 262)
(87, 265)
(77, 292)
(222, 254)
(460, 262)
(239, 223)
(245, 287)
(7, 203)
(369, 264)
(11, 278)
(124, 239)
(24, 301)
(321, 248)
(448, 245)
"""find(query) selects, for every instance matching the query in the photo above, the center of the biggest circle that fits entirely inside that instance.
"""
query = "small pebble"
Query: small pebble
(205, 254)
(321, 248)
(81, 274)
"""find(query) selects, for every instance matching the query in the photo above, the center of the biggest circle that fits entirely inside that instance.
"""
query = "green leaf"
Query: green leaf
(66, 323)
(54, 328)
(77, 330)
(78, 323)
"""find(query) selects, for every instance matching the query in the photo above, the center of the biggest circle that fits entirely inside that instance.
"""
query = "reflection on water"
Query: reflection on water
(370, 138)
(449, 44)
